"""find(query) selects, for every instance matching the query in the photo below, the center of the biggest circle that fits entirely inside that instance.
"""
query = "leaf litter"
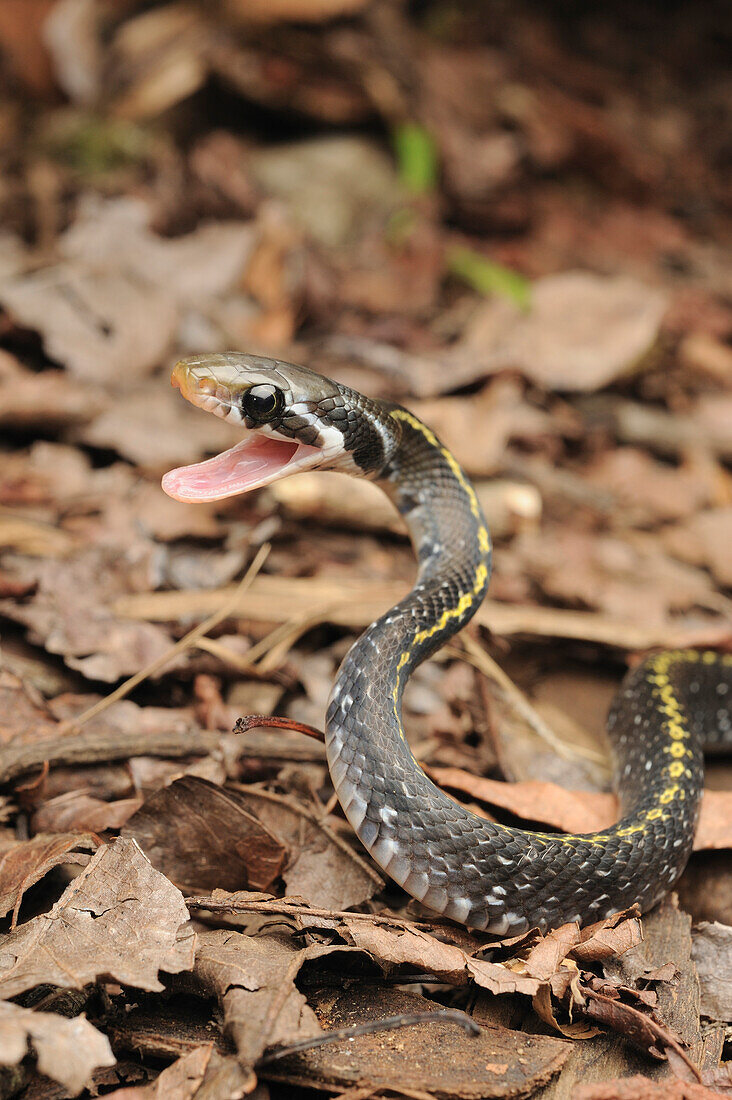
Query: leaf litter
(535, 264)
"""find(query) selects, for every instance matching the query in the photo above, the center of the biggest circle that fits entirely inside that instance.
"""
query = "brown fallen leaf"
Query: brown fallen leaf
(410, 946)
(711, 950)
(582, 331)
(119, 918)
(92, 321)
(77, 809)
(68, 612)
(67, 1051)
(23, 714)
(646, 488)
(203, 1072)
(321, 868)
(254, 980)
(201, 837)
(433, 1057)
(579, 811)
(25, 863)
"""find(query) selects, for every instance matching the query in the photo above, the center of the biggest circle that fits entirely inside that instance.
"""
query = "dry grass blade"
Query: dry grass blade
(478, 658)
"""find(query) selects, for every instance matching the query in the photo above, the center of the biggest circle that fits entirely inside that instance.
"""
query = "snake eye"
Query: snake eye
(262, 403)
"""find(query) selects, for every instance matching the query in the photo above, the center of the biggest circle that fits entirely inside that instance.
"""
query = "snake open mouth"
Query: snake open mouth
(256, 461)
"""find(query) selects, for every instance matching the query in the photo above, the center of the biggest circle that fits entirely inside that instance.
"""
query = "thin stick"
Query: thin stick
(389, 1023)
(475, 655)
(186, 642)
(271, 721)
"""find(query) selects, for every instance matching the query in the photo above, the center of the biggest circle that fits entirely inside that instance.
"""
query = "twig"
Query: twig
(294, 909)
(185, 642)
(267, 721)
(389, 1023)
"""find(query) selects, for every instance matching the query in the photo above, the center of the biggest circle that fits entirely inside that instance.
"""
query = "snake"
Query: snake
(481, 873)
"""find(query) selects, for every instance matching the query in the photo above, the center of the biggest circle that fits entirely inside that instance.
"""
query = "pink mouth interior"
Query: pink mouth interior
(255, 461)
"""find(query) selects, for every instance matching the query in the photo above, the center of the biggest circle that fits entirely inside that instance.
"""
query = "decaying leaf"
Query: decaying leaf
(119, 918)
(254, 979)
(67, 1050)
(201, 837)
(582, 330)
(25, 863)
(79, 810)
(321, 867)
(202, 1072)
(711, 951)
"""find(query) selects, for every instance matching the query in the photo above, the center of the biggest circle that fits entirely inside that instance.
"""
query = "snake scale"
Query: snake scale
(480, 873)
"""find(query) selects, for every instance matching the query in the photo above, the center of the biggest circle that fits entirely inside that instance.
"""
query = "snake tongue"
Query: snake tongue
(254, 462)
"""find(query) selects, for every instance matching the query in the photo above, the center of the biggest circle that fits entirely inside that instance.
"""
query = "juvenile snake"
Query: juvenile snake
(481, 873)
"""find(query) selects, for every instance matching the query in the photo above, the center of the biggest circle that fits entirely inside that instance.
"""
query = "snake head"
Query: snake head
(295, 420)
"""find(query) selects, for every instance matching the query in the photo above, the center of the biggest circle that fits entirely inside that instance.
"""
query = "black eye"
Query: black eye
(262, 403)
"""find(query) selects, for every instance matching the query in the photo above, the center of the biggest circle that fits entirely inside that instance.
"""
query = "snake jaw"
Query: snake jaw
(256, 461)
(261, 458)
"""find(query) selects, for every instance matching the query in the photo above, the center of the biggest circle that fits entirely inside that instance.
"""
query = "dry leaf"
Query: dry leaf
(642, 1088)
(321, 867)
(79, 810)
(705, 539)
(23, 714)
(119, 918)
(237, 852)
(68, 612)
(203, 1072)
(582, 330)
(25, 863)
(711, 950)
(253, 977)
(67, 1051)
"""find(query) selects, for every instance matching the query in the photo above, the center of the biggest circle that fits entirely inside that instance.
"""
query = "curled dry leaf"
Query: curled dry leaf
(67, 1051)
(23, 864)
(119, 918)
(321, 867)
(254, 980)
(238, 851)
(202, 1072)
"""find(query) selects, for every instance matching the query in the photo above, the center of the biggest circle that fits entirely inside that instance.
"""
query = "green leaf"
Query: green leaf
(416, 154)
(487, 277)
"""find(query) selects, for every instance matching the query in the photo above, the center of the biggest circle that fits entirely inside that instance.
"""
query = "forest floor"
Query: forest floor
(509, 217)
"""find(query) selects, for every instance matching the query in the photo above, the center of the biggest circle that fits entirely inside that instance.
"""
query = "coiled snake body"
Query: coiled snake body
(483, 874)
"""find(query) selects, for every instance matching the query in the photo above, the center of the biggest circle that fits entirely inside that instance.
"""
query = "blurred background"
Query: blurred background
(513, 217)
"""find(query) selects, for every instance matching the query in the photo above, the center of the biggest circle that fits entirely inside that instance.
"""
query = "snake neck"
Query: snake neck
(374, 772)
